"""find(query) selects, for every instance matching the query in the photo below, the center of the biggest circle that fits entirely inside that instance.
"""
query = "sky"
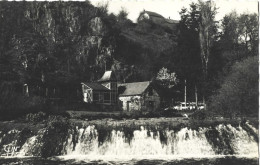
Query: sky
(171, 8)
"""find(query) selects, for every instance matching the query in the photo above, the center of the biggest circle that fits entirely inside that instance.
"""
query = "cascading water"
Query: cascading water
(183, 143)
(144, 142)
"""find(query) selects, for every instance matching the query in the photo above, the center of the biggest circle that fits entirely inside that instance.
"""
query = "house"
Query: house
(138, 96)
(104, 91)
(132, 96)
(158, 19)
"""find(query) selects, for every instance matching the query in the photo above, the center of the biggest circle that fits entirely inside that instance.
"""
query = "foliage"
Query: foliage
(166, 78)
(14, 105)
(55, 135)
(35, 117)
(188, 62)
(201, 115)
(238, 94)
(53, 46)
(238, 39)
(207, 31)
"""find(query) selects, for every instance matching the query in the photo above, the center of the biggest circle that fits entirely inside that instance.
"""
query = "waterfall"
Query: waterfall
(182, 143)
(223, 139)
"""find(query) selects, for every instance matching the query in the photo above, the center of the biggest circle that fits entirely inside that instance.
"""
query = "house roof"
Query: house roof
(108, 76)
(150, 13)
(171, 21)
(136, 88)
(153, 14)
(96, 86)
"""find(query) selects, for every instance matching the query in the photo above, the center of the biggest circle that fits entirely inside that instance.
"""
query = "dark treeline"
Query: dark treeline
(220, 58)
(48, 48)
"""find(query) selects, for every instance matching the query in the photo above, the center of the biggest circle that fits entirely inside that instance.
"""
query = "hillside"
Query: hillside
(146, 43)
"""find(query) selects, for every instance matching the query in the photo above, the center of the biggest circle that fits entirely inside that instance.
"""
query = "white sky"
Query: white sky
(171, 8)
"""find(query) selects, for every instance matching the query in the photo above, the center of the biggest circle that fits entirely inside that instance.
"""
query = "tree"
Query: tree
(166, 78)
(188, 61)
(235, 43)
(207, 33)
(238, 94)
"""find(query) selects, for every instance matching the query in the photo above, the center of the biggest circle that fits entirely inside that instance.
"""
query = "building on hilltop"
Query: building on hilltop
(138, 96)
(158, 19)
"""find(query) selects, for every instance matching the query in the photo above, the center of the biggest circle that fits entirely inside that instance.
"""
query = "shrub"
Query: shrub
(56, 134)
(238, 94)
(201, 115)
(35, 117)
(13, 105)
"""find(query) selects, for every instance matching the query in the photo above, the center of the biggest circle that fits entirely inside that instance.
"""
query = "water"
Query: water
(182, 143)
(228, 160)
(221, 144)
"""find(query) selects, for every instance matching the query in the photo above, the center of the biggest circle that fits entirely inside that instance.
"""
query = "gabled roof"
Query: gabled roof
(96, 86)
(108, 76)
(136, 88)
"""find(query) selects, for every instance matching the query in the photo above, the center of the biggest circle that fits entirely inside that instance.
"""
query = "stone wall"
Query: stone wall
(145, 102)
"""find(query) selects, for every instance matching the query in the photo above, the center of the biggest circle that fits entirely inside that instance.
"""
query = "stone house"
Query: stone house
(138, 96)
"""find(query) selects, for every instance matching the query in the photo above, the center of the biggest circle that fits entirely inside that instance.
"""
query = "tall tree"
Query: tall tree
(188, 59)
(207, 34)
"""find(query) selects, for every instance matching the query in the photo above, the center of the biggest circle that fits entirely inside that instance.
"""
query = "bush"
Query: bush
(171, 113)
(238, 94)
(13, 105)
(35, 117)
(201, 115)
(56, 134)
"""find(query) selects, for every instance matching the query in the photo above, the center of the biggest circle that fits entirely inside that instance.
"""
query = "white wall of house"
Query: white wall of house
(147, 101)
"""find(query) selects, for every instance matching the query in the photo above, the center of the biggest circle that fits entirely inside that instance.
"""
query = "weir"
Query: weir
(223, 139)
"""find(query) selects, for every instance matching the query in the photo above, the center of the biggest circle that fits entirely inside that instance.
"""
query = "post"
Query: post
(185, 93)
(204, 103)
(196, 97)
